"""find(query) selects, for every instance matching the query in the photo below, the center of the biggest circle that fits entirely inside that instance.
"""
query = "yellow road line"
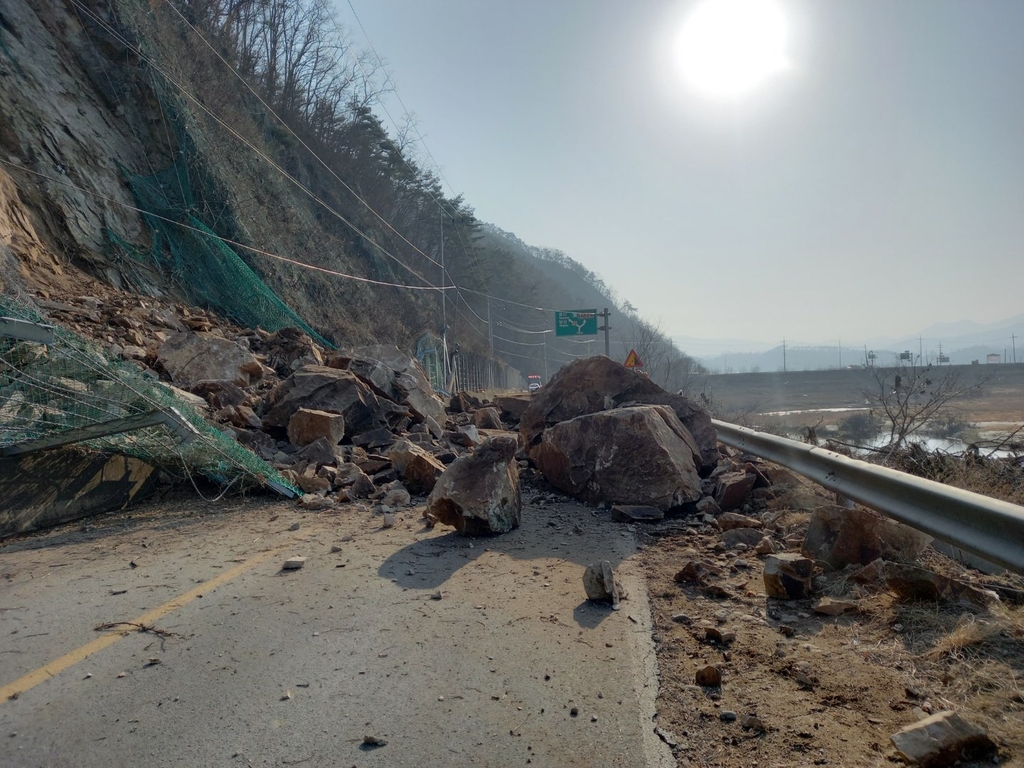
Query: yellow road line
(56, 666)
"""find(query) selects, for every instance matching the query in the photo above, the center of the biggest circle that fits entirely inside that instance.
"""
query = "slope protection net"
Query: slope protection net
(63, 392)
(198, 260)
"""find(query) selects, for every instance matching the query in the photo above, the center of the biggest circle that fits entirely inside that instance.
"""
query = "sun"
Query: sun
(728, 47)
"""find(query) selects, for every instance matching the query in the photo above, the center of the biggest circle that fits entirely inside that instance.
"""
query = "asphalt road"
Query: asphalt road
(245, 664)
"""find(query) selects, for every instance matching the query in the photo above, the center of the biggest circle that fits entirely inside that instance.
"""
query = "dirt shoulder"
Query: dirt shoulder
(825, 690)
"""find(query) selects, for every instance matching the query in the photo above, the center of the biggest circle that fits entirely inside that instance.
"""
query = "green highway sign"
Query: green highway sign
(576, 322)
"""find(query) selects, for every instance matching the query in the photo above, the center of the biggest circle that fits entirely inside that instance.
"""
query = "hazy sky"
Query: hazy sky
(872, 188)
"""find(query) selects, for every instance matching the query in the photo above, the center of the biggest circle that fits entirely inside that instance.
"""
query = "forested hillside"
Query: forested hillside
(229, 154)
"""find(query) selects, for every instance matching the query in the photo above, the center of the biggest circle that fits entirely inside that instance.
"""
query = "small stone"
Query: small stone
(718, 636)
(389, 520)
(436, 595)
(294, 563)
(681, 618)
(574, 711)
(709, 677)
(335, 549)
(829, 606)
(752, 723)
(727, 716)
(765, 547)
(294, 526)
(371, 740)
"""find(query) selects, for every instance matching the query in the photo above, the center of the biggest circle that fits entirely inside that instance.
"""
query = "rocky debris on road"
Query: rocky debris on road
(941, 740)
(640, 455)
(787, 575)
(294, 563)
(479, 493)
(418, 468)
(191, 359)
(308, 424)
(512, 407)
(910, 582)
(708, 677)
(636, 513)
(600, 584)
(595, 384)
(841, 536)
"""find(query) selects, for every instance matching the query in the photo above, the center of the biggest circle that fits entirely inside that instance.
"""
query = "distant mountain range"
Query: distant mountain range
(962, 342)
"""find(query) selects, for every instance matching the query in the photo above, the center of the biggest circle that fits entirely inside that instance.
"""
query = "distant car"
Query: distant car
(532, 382)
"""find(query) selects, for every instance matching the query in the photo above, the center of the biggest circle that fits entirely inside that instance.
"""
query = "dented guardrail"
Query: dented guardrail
(986, 527)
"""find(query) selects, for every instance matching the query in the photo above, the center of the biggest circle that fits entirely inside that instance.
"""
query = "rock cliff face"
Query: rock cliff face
(74, 106)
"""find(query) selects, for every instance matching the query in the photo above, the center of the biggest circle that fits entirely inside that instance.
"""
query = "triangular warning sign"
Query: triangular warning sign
(633, 360)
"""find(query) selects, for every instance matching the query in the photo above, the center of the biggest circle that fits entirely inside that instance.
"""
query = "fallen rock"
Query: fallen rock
(290, 349)
(830, 606)
(735, 537)
(941, 740)
(294, 563)
(912, 583)
(418, 468)
(840, 536)
(463, 402)
(787, 575)
(512, 406)
(399, 378)
(313, 484)
(599, 583)
(395, 495)
(487, 418)
(596, 384)
(708, 506)
(632, 513)
(709, 677)
(639, 455)
(192, 358)
(307, 424)
(332, 390)
(765, 547)
(313, 501)
(467, 436)
(733, 488)
(479, 492)
(729, 520)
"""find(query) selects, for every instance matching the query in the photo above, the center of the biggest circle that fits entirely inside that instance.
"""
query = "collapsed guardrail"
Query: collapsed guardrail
(986, 527)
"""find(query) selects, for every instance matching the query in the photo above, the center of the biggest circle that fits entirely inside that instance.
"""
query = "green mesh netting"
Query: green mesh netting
(50, 391)
(210, 272)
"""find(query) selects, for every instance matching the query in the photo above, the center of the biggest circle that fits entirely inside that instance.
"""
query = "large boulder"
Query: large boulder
(513, 406)
(418, 469)
(479, 492)
(840, 537)
(307, 424)
(595, 384)
(335, 391)
(191, 358)
(636, 455)
(394, 375)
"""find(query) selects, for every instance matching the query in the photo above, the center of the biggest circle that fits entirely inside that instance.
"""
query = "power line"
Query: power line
(252, 147)
(235, 243)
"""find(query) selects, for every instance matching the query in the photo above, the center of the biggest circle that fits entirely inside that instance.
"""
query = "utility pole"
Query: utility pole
(920, 351)
(783, 355)
(444, 303)
(1013, 338)
(490, 339)
(606, 315)
(545, 359)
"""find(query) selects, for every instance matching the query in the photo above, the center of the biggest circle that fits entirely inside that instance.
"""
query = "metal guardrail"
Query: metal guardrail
(986, 527)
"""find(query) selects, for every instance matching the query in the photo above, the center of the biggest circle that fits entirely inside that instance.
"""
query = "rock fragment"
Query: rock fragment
(787, 575)
(479, 492)
(599, 583)
(294, 563)
(941, 740)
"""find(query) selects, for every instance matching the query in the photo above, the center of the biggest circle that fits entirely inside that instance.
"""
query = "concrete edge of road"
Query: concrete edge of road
(657, 753)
